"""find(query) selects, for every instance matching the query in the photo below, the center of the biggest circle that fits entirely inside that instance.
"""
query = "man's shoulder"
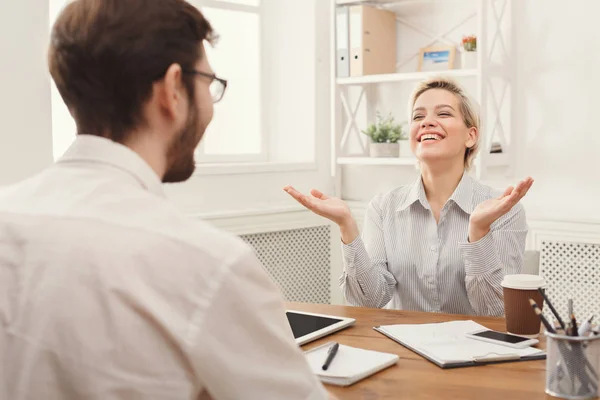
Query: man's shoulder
(118, 210)
(164, 226)
(10, 190)
(198, 235)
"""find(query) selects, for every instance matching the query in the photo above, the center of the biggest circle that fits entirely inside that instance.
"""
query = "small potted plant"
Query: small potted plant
(469, 53)
(384, 135)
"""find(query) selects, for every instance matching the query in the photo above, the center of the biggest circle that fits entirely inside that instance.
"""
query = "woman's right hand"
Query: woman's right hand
(331, 208)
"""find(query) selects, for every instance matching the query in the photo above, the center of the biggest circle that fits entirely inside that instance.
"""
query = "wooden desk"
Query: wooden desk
(414, 377)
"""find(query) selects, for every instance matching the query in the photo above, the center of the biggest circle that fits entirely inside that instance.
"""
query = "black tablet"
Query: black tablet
(310, 326)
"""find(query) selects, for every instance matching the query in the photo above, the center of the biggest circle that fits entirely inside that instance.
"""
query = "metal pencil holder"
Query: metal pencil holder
(573, 366)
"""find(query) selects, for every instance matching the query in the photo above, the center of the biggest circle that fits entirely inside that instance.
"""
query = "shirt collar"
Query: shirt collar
(462, 196)
(95, 149)
(415, 193)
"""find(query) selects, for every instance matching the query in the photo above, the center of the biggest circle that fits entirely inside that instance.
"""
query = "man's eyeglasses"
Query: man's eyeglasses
(217, 85)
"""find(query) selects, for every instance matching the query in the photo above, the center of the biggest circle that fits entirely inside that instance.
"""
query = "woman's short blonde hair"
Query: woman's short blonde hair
(467, 108)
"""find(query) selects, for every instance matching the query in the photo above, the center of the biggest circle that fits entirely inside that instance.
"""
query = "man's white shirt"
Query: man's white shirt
(107, 291)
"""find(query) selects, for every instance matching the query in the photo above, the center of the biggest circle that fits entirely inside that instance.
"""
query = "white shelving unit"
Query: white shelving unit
(493, 77)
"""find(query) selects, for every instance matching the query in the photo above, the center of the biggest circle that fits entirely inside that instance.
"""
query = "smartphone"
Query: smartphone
(503, 339)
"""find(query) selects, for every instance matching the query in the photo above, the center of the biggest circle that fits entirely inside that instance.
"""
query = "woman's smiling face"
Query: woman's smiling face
(437, 130)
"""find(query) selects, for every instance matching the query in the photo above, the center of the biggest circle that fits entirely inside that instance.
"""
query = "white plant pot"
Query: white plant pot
(468, 59)
(384, 149)
(405, 150)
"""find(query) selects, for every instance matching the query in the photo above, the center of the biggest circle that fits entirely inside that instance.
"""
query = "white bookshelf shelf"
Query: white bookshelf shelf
(400, 77)
(377, 161)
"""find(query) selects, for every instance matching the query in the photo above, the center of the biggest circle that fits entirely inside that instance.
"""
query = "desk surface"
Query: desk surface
(413, 377)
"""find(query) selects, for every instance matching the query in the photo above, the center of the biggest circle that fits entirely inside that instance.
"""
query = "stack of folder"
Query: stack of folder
(365, 41)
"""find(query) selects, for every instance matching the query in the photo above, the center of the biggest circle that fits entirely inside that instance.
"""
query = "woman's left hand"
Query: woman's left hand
(490, 210)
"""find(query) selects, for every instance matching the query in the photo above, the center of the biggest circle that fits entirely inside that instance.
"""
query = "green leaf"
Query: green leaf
(385, 130)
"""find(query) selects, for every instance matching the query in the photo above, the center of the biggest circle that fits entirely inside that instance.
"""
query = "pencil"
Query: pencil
(537, 310)
(574, 325)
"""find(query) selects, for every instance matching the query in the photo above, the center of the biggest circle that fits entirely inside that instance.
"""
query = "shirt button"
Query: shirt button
(433, 248)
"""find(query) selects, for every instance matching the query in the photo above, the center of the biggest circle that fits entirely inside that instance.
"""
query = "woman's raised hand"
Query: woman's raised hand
(331, 208)
(490, 210)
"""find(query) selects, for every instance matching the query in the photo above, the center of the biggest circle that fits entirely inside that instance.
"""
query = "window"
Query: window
(266, 51)
(235, 132)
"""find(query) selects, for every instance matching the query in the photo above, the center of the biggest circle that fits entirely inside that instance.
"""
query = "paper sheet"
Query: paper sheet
(446, 342)
(349, 362)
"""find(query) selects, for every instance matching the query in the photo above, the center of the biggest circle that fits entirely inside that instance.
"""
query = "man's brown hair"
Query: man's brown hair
(105, 55)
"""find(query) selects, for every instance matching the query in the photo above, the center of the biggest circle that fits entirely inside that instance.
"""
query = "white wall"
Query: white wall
(25, 134)
(558, 107)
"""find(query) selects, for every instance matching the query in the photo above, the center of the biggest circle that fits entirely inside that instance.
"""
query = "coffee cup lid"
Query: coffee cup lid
(523, 281)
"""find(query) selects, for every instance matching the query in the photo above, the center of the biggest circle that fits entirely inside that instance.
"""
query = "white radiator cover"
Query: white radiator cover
(572, 270)
(298, 260)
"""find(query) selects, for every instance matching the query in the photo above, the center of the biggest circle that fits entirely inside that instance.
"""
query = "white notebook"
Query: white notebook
(446, 345)
(350, 364)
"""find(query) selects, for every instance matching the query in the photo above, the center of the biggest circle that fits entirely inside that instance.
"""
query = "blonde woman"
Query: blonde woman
(443, 243)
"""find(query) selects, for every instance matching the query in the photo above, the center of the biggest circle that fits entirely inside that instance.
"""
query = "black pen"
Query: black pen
(537, 310)
(560, 321)
(330, 354)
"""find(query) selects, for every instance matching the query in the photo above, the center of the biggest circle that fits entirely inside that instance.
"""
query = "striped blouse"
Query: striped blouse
(405, 260)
